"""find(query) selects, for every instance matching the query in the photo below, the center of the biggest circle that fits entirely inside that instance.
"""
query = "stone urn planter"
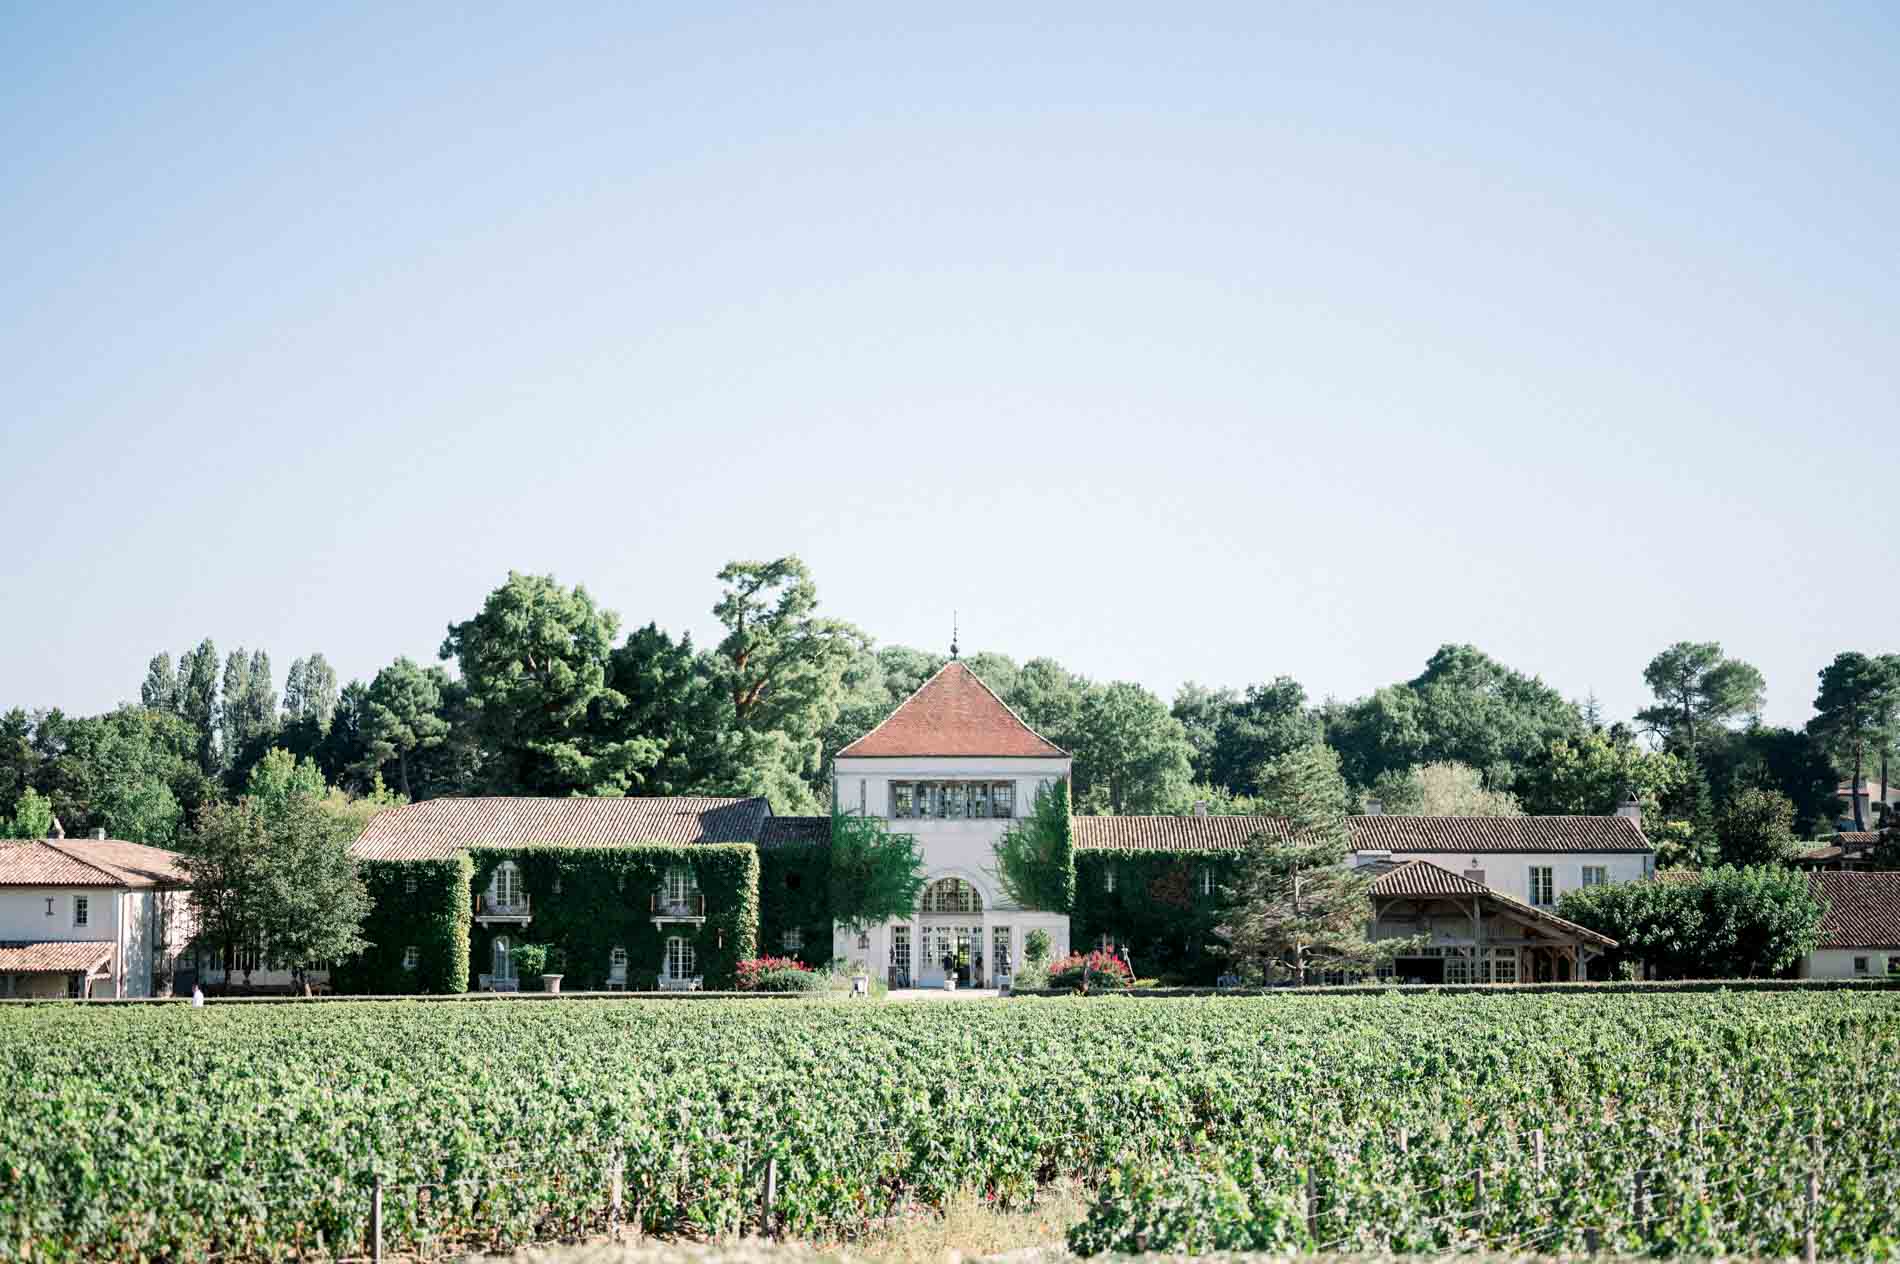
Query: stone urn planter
(860, 985)
(550, 983)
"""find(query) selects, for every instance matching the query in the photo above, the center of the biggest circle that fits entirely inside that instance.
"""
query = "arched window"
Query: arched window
(507, 884)
(952, 895)
(504, 964)
(681, 961)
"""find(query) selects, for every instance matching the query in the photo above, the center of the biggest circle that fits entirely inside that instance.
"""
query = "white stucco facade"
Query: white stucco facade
(956, 848)
(1849, 963)
(144, 929)
(1510, 873)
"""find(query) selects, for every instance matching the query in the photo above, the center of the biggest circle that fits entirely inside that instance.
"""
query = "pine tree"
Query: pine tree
(1294, 905)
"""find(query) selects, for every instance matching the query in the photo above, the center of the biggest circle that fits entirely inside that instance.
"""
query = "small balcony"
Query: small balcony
(492, 912)
(690, 908)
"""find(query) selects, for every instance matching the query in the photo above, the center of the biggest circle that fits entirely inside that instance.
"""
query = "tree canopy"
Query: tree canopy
(1698, 688)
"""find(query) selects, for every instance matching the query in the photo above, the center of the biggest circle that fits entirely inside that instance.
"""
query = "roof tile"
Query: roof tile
(1863, 909)
(436, 829)
(953, 714)
(87, 862)
(1398, 834)
(54, 956)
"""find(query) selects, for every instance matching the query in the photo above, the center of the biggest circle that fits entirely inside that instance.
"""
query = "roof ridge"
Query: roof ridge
(981, 684)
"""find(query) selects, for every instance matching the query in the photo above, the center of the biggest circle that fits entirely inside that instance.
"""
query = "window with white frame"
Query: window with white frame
(409, 884)
(679, 886)
(1543, 885)
(507, 885)
(952, 895)
(617, 963)
(1000, 960)
(793, 939)
(504, 960)
(1207, 880)
(952, 800)
(1596, 875)
(411, 957)
(900, 948)
(681, 961)
(1108, 877)
(82, 910)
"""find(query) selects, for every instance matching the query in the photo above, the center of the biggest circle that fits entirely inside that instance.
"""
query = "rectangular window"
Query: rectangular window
(793, 939)
(82, 910)
(953, 799)
(411, 958)
(1596, 875)
(679, 886)
(1207, 881)
(1000, 960)
(1543, 886)
(1108, 878)
(900, 949)
(1003, 799)
(903, 800)
(979, 800)
(1860, 965)
(681, 961)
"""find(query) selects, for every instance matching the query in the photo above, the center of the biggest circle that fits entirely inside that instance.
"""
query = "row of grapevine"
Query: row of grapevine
(1664, 1123)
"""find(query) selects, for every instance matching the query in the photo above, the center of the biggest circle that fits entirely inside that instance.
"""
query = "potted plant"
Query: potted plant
(530, 961)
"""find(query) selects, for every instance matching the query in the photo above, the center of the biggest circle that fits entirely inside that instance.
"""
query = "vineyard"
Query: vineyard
(1658, 1124)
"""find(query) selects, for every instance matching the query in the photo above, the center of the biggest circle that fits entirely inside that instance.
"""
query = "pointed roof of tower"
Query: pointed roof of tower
(953, 714)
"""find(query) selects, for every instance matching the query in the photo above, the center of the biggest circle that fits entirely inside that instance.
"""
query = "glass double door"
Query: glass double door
(952, 951)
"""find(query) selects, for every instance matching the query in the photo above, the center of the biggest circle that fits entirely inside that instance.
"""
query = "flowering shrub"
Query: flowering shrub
(1098, 969)
(752, 970)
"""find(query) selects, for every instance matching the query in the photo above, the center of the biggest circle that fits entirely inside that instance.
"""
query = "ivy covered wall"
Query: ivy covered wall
(588, 901)
(1157, 908)
(794, 892)
(421, 904)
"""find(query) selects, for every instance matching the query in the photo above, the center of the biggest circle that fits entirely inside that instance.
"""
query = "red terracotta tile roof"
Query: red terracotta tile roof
(783, 830)
(1399, 834)
(436, 829)
(87, 862)
(1422, 877)
(953, 714)
(54, 956)
(1863, 909)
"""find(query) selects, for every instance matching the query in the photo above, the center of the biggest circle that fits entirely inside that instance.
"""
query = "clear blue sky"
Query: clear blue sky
(1176, 342)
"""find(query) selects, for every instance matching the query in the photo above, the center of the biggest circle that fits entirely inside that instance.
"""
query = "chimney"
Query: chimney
(1200, 807)
(56, 830)
(1375, 807)
(1632, 809)
(99, 833)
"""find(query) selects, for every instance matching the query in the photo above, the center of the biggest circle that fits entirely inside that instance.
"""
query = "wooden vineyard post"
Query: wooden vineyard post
(1312, 1209)
(376, 1221)
(1810, 1242)
(613, 1196)
(1537, 1150)
(1639, 1202)
(768, 1196)
(1592, 1240)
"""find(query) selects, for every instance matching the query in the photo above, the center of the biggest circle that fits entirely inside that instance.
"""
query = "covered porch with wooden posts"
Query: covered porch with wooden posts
(1471, 933)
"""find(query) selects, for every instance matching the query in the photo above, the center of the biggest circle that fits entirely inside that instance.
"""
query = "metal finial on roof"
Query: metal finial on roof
(953, 635)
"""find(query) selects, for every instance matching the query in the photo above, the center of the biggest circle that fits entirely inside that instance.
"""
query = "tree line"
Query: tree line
(539, 693)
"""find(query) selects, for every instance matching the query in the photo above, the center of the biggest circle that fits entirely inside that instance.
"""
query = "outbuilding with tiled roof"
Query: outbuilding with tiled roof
(1860, 925)
(90, 916)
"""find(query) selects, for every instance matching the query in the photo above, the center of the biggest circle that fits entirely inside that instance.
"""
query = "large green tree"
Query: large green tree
(1857, 697)
(197, 699)
(780, 667)
(403, 716)
(310, 692)
(668, 699)
(534, 661)
(32, 817)
(1697, 689)
(1442, 788)
(1756, 827)
(1131, 755)
(874, 874)
(160, 690)
(1465, 707)
(1721, 923)
(1233, 735)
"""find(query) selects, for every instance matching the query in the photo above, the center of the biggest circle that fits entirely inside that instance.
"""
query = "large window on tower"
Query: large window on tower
(952, 800)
